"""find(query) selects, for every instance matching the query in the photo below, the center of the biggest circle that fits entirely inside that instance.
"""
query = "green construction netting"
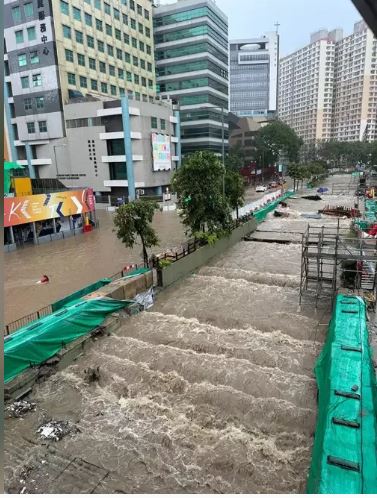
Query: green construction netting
(80, 293)
(8, 167)
(344, 458)
(261, 214)
(35, 343)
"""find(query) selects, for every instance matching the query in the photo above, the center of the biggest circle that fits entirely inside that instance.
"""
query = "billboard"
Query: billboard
(19, 210)
(161, 152)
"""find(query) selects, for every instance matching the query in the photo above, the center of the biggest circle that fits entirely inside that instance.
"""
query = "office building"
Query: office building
(306, 86)
(254, 75)
(60, 50)
(94, 153)
(355, 83)
(328, 89)
(191, 51)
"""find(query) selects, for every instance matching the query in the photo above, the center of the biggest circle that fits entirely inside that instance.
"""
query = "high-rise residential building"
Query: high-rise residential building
(254, 75)
(306, 86)
(65, 49)
(355, 83)
(328, 89)
(191, 50)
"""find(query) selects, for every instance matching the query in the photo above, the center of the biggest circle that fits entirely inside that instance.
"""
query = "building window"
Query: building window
(147, 32)
(71, 79)
(104, 87)
(129, 76)
(142, 63)
(118, 34)
(34, 58)
(76, 14)
(120, 73)
(111, 70)
(149, 67)
(127, 57)
(119, 54)
(137, 95)
(125, 18)
(92, 63)
(88, 19)
(30, 127)
(109, 30)
(141, 28)
(28, 9)
(113, 90)
(132, 5)
(133, 23)
(102, 67)
(141, 46)
(16, 14)
(90, 41)
(81, 59)
(143, 81)
(19, 36)
(116, 13)
(42, 126)
(134, 42)
(154, 123)
(126, 38)
(83, 82)
(97, 4)
(66, 31)
(79, 36)
(110, 50)
(146, 14)
(25, 81)
(149, 50)
(140, 10)
(136, 79)
(68, 55)
(28, 106)
(64, 8)
(94, 84)
(40, 102)
(22, 61)
(100, 46)
(89, 2)
(135, 61)
(122, 92)
(150, 83)
(107, 8)
(31, 34)
(99, 25)
(37, 79)
(163, 124)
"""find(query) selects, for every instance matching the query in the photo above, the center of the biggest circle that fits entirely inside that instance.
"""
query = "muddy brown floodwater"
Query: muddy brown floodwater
(211, 391)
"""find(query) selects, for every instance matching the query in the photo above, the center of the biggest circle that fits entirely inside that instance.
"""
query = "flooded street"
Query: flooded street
(211, 391)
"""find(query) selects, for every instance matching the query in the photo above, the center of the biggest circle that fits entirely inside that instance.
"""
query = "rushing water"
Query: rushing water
(212, 390)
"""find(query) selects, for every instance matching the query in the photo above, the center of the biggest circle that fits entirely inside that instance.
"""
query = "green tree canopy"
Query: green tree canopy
(235, 159)
(234, 189)
(199, 186)
(134, 220)
(276, 138)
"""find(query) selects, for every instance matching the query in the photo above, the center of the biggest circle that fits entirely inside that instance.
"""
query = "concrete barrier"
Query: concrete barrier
(183, 267)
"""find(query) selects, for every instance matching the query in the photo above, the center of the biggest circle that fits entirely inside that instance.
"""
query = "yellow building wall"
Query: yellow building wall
(22, 186)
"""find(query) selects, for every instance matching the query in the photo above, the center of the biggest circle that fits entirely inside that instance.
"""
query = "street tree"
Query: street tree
(277, 138)
(134, 220)
(234, 189)
(235, 159)
(199, 187)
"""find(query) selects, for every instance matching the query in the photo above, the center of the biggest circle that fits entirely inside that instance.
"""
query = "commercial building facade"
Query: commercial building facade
(191, 51)
(94, 150)
(254, 75)
(328, 89)
(57, 51)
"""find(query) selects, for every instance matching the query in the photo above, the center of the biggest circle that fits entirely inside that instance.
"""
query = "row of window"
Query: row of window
(191, 49)
(36, 80)
(201, 30)
(95, 86)
(189, 15)
(31, 35)
(154, 124)
(37, 102)
(88, 18)
(64, 7)
(83, 122)
(28, 12)
(42, 126)
(23, 58)
(192, 66)
(171, 86)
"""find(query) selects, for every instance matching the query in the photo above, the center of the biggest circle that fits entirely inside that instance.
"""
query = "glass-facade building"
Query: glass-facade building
(254, 75)
(191, 53)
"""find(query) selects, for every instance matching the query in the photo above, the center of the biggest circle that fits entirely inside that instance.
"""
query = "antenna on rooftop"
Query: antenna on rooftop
(277, 24)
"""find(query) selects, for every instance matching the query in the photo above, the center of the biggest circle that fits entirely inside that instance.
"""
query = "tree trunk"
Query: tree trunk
(237, 212)
(145, 254)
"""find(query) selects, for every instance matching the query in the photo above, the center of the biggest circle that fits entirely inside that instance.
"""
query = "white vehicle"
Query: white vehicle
(261, 188)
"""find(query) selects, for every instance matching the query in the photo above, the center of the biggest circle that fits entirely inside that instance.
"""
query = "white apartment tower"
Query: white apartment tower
(328, 89)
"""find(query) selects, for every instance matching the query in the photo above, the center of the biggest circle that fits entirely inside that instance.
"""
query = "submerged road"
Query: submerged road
(211, 391)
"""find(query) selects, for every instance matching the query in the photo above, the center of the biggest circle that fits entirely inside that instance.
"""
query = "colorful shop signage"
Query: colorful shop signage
(19, 210)
(161, 152)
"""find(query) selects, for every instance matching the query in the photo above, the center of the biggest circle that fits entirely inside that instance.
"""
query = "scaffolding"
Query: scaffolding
(331, 259)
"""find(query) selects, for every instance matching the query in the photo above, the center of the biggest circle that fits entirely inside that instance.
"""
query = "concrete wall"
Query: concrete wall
(188, 264)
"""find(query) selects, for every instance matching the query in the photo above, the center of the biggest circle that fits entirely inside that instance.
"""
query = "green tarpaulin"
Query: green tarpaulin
(344, 458)
(261, 214)
(80, 293)
(8, 166)
(35, 343)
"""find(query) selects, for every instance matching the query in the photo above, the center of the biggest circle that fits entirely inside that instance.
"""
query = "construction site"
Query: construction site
(252, 372)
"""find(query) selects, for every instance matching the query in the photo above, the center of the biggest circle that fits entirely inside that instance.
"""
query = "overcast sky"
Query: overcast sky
(297, 18)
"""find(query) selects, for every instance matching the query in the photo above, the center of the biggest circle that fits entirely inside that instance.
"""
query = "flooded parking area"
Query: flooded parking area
(210, 391)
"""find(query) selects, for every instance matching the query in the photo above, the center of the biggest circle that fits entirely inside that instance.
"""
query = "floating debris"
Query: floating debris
(19, 408)
(56, 430)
